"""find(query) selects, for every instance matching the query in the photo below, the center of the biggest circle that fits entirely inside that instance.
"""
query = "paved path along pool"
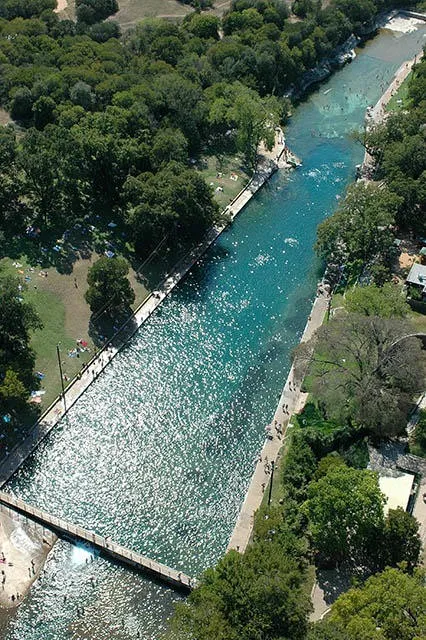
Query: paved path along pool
(292, 400)
(160, 450)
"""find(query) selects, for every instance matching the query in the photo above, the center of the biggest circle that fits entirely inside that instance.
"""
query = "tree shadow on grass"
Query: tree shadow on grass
(104, 327)
(22, 422)
(40, 252)
(61, 250)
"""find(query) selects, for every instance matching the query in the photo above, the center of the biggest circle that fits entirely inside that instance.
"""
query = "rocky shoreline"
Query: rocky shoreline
(345, 52)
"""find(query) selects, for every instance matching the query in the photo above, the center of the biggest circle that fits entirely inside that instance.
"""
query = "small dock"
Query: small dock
(176, 579)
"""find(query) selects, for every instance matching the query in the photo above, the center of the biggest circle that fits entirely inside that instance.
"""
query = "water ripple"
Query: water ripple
(159, 451)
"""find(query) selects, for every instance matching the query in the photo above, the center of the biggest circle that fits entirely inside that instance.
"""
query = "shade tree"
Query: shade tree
(22, 105)
(400, 540)
(365, 371)
(203, 26)
(92, 11)
(18, 319)
(109, 286)
(246, 596)
(174, 203)
(360, 229)
(11, 9)
(387, 301)
(13, 394)
(43, 111)
(389, 606)
(345, 514)
(253, 119)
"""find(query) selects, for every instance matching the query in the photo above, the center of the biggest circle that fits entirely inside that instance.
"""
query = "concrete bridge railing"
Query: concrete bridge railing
(176, 579)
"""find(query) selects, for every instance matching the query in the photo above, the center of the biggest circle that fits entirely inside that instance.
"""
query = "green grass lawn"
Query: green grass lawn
(51, 308)
(312, 417)
(59, 300)
(417, 443)
(132, 11)
(400, 99)
(337, 300)
(217, 171)
(59, 297)
(418, 320)
(52, 313)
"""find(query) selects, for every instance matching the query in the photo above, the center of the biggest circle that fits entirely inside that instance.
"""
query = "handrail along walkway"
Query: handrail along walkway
(11, 462)
(176, 579)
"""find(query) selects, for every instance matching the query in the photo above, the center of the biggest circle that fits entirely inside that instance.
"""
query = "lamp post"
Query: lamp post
(58, 353)
(271, 482)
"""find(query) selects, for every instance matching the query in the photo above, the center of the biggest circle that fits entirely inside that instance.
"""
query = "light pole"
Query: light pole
(271, 482)
(58, 353)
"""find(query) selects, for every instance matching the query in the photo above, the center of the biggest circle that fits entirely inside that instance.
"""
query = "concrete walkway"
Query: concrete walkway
(292, 400)
(378, 114)
(419, 512)
(10, 464)
(415, 416)
(320, 606)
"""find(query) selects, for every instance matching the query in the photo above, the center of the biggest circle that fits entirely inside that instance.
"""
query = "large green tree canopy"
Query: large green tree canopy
(364, 371)
(245, 597)
(17, 321)
(109, 286)
(10, 9)
(345, 512)
(390, 606)
(106, 110)
(360, 228)
(253, 118)
(385, 302)
(175, 202)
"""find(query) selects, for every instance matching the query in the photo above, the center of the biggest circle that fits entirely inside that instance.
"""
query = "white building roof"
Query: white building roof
(397, 490)
(417, 275)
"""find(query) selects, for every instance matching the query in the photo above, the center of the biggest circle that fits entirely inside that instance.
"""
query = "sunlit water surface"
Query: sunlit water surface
(159, 452)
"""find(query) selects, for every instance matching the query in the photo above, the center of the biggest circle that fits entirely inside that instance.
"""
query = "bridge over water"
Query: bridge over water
(199, 384)
(64, 529)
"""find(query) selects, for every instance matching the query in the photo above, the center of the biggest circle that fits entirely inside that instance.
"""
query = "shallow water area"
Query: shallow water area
(403, 24)
(76, 586)
(159, 452)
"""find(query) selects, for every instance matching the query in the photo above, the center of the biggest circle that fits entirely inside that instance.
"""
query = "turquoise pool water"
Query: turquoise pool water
(159, 452)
